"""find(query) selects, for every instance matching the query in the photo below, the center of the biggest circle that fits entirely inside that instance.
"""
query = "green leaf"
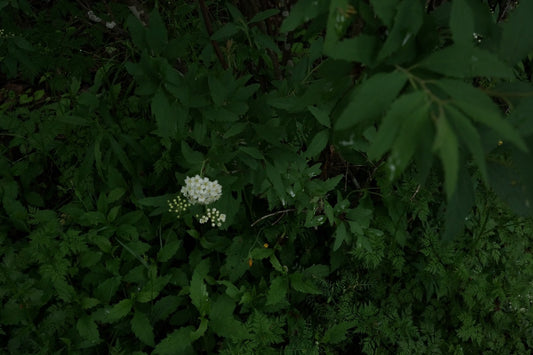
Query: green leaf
(481, 108)
(371, 99)
(303, 284)
(198, 288)
(340, 235)
(277, 291)
(166, 115)
(141, 327)
(222, 321)
(263, 15)
(321, 116)
(303, 11)
(407, 22)
(168, 251)
(515, 44)
(253, 152)
(318, 143)
(118, 311)
(227, 31)
(115, 194)
(202, 328)
(88, 329)
(447, 146)
(361, 49)
(192, 157)
(407, 111)
(156, 33)
(385, 9)
(178, 342)
(462, 61)
(337, 333)
(459, 206)
(469, 136)
(462, 22)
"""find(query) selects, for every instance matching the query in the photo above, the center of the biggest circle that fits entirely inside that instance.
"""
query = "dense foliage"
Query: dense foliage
(240, 177)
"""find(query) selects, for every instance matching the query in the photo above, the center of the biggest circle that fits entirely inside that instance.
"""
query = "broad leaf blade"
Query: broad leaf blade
(371, 98)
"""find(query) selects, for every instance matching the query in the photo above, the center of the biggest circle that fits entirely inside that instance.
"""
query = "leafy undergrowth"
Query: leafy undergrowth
(320, 178)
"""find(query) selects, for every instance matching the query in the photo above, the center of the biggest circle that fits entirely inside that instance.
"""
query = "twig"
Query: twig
(272, 214)
(205, 15)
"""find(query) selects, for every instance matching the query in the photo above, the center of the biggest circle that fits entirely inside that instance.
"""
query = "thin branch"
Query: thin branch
(207, 21)
(271, 215)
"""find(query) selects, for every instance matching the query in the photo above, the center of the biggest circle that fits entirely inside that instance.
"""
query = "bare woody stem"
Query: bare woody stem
(207, 21)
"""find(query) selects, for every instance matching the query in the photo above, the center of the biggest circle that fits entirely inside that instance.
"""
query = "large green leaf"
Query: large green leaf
(479, 107)
(222, 321)
(141, 327)
(469, 136)
(406, 113)
(465, 61)
(516, 42)
(178, 342)
(447, 146)
(385, 10)
(462, 22)
(198, 291)
(407, 22)
(371, 99)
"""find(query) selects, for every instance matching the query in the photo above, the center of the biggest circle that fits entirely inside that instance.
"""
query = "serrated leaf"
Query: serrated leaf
(318, 143)
(141, 327)
(277, 291)
(463, 61)
(303, 284)
(462, 23)
(178, 342)
(340, 235)
(168, 251)
(88, 329)
(371, 98)
(337, 333)
(515, 44)
(227, 31)
(198, 333)
(321, 116)
(403, 110)
(198, 288)
(115, 194)
(166, 114)
(447, 146)
(118, 311)
(222, 321)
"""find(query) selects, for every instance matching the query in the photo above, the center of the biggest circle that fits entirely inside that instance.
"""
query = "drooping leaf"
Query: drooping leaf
(88, 329)
(447, 146)
(458, 206)
(277, 291)
(515, 41)
(480, 108)
(178, 342)
(371, 99)
(408, 109)
(198, 291)
(469, 136)
(464, 61)
(303, 11)
(142, 328)
(321, 116)
(263, 15)
(318, 143)
(407, 22)
(385, 9)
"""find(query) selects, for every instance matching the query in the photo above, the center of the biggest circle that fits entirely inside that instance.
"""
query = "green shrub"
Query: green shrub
(373, 160)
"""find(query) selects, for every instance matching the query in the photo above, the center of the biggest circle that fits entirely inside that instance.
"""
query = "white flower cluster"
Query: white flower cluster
(214, 215)
(201, 191)
(178, 205)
